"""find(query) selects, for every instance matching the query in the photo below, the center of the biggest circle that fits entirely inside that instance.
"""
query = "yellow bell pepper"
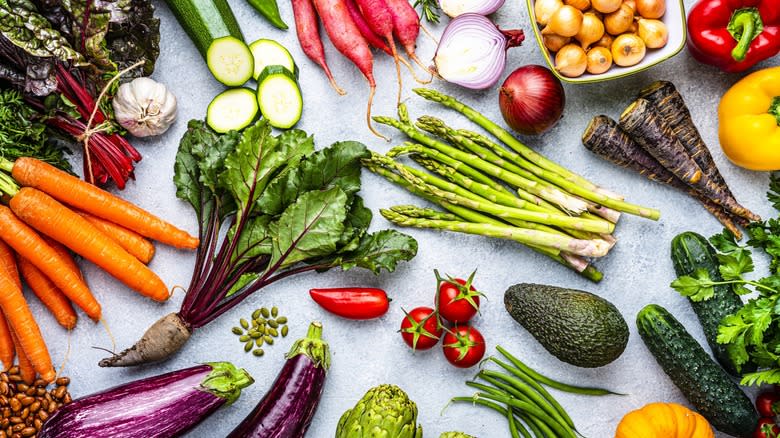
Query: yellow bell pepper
(749, 117)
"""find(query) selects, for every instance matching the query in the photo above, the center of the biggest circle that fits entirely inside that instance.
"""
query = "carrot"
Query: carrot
(23, 325)
(66, 255)
(7, 348)
(45, 214)
(58, 304)
(380, 20)
(406, 27)
(26, 369)
(131, 241)
(83, 196)
(28, 244)
(346, 37)
(8, 263)
(649, 129)
(309, 38)
(606, 139)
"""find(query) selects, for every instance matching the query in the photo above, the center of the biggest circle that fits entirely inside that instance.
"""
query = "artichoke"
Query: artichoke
(455, 435)
(385, 411)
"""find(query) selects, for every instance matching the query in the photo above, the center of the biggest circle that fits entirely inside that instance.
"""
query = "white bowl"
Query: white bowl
(674, 18)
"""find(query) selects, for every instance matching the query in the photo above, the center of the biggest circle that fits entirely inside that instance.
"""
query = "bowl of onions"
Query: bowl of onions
(585, 41)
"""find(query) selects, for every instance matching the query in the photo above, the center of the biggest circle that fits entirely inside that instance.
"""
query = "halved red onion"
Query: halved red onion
(456, 8)
(472, 51)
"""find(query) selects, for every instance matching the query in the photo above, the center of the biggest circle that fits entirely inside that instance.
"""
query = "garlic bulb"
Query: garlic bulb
(144, 107)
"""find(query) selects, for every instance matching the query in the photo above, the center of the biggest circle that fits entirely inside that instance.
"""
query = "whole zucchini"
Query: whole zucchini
(701, 380)
(691, 251)
(205, 21)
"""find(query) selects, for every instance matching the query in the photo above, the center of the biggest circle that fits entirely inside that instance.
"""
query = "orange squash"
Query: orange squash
(664, 420)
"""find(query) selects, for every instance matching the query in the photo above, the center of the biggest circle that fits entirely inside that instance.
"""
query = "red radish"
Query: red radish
(373, 39)
(380, 20)
(346, 37)
(406, 27)
(309, 38)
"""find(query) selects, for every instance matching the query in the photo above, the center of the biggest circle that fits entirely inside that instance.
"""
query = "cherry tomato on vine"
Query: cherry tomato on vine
(766, 428)
(457, 299)
(420, 328)
(768, 404)
(463, 346)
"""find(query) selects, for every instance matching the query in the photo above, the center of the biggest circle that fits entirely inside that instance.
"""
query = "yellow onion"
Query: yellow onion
(628, 49)
(631, 4)
(582, 5)
(566, 21)
(599, 60)
(651, 8)
(592, 30)
(571, 61)
(605, 41)
(606, 6)
(554, 42)
(544, 9)
(598, 14)
(653, 32)
(619, 21)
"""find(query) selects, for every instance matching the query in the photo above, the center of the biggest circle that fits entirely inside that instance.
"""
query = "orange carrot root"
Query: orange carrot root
(7, 346)
(26, 369)
(131, 241)
(47, 292)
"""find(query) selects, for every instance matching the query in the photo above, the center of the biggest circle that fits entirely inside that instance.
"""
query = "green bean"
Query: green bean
(531, 423)
(544, 429)
(507, 388)
(550, 382)
(546, 397)
(519, 425)
(512, 426)
(487, 403)
(561, 430)
(488, 389)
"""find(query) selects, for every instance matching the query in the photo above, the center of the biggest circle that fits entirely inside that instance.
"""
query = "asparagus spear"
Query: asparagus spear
(586, 248)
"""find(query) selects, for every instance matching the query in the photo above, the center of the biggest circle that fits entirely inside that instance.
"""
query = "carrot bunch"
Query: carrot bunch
(354, 26)
(49, 214)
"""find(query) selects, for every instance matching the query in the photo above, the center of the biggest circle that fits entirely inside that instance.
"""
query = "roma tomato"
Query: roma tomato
(457, 299)
(766, 428)
(420, 328)
(768, 404)
(463, 346)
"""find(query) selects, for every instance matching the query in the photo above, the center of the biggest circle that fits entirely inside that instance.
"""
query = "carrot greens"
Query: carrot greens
(283, 209)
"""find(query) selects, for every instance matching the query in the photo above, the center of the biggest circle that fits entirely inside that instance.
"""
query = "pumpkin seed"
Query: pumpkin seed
(281, 320)
(265, 312)
(259, 342)
(238, 331)
(259, 352)
(285, 329)
(243, 338)
(272, 331)
(244, 323)
(260, 320)
(268, 340)
(274, 311)
(255, 335)
(248, 346)
(273, 323)
(256, 314)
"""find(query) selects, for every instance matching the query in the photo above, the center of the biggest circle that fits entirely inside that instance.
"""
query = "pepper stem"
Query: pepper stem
(745, 26)
(774, 109)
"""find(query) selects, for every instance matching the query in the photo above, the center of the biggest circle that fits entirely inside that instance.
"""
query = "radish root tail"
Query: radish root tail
(332, 81)
(430, 35)
(397, 69)
(368, 113)
(413, 73)
(67, 356)
(417, 61)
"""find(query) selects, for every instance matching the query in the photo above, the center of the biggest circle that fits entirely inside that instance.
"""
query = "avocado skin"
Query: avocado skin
(577, 327)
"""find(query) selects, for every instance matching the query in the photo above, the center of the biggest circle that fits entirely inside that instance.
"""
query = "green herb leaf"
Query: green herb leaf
(765, 377)
(697, 287)
(377, 251)
(725, 242)
(187, 172)
(254, 240)
(733, 265)
(242, 282)
(355, 226)
(773, 195)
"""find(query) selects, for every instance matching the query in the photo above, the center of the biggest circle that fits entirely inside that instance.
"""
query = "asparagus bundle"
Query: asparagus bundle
(657, 138)
(487, 189)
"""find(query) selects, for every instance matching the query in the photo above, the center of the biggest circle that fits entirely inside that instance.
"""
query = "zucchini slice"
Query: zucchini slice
(269, 52)
(279, 97)
(230, 61)
(232, 109)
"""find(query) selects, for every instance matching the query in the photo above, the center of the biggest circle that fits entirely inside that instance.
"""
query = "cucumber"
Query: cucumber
(691, 251)
(230, 61)
(232, 109)
(703, 382)
(279, 97)
(269, 52)
(205, 21)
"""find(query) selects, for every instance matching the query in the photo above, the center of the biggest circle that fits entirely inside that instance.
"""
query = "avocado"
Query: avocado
(577, 327)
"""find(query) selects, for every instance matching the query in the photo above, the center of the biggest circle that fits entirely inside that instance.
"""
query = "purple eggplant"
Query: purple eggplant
(287, 409)
(162, 406)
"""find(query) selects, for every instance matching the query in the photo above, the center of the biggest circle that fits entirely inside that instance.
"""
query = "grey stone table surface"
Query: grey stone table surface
(637, 272)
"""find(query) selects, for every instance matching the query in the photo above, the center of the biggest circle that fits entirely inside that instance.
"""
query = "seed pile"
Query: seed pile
(261, 329)
(25, 407)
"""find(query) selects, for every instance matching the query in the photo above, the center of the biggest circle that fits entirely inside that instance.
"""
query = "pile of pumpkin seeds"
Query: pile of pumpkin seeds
(264, 326)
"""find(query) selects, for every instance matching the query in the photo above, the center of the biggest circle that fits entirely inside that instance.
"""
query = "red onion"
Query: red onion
(472, 51)
(455, 8)
(531, 99)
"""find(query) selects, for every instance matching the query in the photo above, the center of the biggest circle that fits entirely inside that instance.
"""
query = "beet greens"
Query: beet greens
(286, 209)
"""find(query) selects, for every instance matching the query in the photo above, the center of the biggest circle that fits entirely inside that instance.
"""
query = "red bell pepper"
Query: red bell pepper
(734, 35)
(352, 302)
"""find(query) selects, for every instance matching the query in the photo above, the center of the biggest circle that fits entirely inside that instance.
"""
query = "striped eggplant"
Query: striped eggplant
(161, 406)
(288, 408)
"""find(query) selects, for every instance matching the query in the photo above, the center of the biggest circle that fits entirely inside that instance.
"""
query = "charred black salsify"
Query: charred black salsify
(605, 138)
(288, 408)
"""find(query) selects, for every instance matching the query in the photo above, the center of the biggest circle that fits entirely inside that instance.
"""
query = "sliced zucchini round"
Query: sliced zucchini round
(279, 97)
(232, 109)
(269, 52)
(230, 61)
